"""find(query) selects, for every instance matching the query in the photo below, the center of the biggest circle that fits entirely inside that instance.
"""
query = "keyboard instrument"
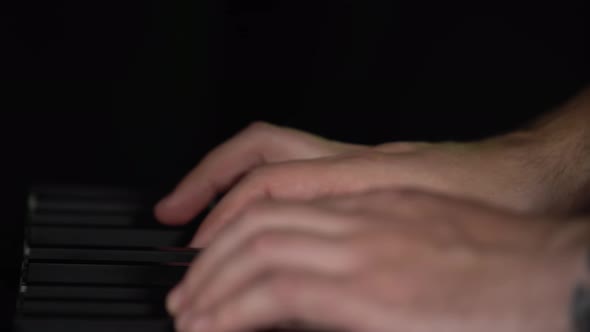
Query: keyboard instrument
(95, 260)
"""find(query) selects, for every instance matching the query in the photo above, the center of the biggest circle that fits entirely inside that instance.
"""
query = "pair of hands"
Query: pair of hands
(328, 235)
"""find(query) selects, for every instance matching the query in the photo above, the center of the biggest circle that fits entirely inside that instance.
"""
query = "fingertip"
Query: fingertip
(174, 300)
(169, 211)
(169, 201)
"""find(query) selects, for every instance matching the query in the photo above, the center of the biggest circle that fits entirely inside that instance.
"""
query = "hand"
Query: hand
(274, 162)
(383, 261)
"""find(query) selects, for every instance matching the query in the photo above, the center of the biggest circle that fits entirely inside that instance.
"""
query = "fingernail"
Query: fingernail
(175, 299)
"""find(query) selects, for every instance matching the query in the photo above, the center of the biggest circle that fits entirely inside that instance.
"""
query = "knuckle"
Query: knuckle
(272, 176)
(259, 180)
(399, 147)
(266, 175)
(258, 127)
(261, 173)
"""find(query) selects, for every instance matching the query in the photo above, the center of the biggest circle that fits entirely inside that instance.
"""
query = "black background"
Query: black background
(135, 92)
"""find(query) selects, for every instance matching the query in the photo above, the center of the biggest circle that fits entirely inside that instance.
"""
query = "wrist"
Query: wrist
(555, 273)
(533, 174)
(554, 164)
(565, 136)
(566, 154)
(569, 252)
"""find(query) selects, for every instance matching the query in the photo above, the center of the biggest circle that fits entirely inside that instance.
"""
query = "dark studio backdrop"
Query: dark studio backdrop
(135, 92)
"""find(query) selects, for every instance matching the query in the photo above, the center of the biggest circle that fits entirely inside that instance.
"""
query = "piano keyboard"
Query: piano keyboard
(96, 261)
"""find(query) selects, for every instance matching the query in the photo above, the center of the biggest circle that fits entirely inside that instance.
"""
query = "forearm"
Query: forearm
(556, 148)
(573, 241)
(567, 132)
(571, 121)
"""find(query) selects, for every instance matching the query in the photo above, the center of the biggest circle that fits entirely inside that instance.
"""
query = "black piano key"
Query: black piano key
(47, 204)
(93, 191)
(100, 220)
(104, 274)
(92, 308)
(82, 219)
(66, 292)
(91, 324)
(112, 255)
(65, 324)
(107, 237)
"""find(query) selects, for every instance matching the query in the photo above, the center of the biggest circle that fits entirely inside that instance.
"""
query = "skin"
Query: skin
(382, 267)
(538, 170)
(305, 221)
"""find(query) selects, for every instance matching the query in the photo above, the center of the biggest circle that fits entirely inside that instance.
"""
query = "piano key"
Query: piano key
(104, 274)
(43, 204)
(82, 219)
(65, 292)
(101, 192)
(68, 324)
(92, 308)
(78, 277)
(106, 237)
(110, 324)
(112, 255)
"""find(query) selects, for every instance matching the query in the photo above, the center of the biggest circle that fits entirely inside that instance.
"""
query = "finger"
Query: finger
(257, 145)
(273, 251)
(260, 218)
(280, 298)
(293, 180)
